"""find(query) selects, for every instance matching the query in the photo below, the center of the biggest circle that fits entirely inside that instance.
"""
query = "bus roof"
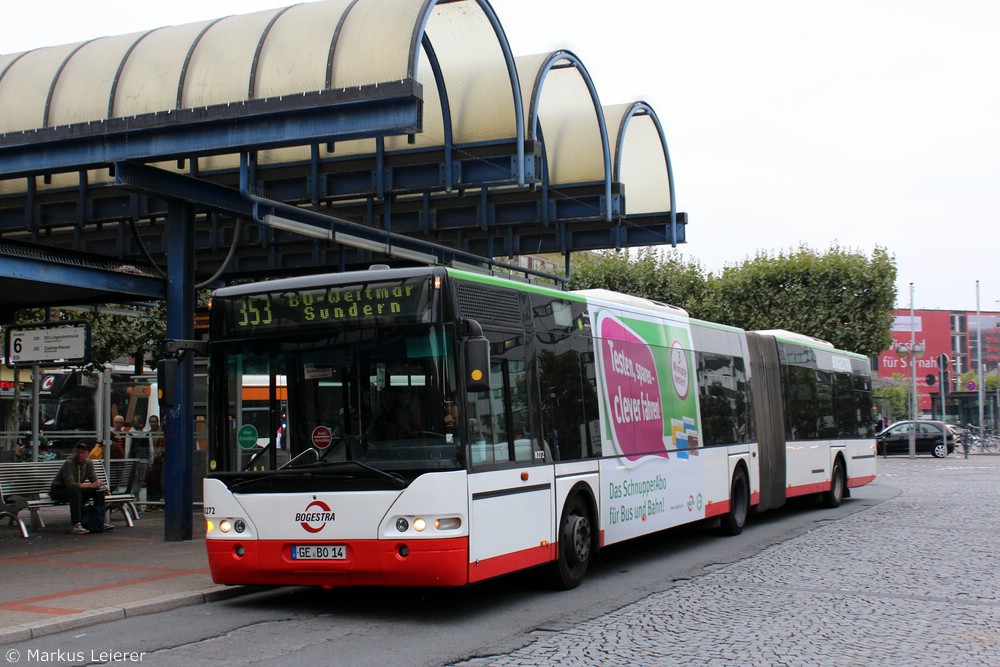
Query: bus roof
(375, 272)
(589, 295)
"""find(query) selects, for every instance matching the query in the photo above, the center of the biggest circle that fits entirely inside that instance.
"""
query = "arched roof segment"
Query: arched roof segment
(150, 77)
(329, 45)
(564, 111)
(641, 161)
(409, 115)
(25, 86)
(478, 83)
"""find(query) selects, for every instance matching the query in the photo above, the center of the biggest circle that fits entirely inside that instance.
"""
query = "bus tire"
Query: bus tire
(739, 503)
(575, 544)
(838, 486)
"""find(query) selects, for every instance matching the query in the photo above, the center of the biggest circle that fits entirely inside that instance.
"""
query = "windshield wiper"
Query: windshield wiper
(262, 477)
(253, 459)
(297, 461)
(394, 476)
(320, 466)
(318, 457)
(312, 471)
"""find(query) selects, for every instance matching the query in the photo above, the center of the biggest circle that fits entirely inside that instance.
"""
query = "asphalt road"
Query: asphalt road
(360, 627)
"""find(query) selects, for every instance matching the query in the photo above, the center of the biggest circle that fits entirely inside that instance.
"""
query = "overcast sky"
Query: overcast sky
(858, 123)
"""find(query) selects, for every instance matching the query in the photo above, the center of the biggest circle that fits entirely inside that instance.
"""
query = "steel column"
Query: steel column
(179, 420)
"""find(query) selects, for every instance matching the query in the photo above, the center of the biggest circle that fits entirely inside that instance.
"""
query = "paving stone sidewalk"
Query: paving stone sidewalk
(913, 581)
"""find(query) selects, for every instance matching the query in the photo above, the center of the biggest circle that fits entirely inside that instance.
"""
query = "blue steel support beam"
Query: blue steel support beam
(214, 130)
(120, 284)
(158, 182)
(179, 421)
(247, 205)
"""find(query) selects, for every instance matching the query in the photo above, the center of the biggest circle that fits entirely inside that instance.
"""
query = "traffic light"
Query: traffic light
(931, 379)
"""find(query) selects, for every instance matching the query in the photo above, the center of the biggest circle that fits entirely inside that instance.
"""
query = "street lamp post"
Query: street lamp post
(913, 349)
(980, 366)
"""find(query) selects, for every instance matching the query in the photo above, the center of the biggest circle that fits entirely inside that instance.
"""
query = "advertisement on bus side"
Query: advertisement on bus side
(649, 413)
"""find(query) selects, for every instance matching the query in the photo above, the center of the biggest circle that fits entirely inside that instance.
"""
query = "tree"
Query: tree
(112, 336)
(990, 380)
(897, 396)
(841, 296)
(665, 277)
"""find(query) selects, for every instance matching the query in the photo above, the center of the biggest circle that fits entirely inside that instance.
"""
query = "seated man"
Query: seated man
(76, 482)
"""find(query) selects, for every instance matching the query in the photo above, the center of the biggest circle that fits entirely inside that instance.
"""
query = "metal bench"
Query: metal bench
(124, 475)
(25, 486)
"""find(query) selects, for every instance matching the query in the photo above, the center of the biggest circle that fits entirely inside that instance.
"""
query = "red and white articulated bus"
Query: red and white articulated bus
(443, 427)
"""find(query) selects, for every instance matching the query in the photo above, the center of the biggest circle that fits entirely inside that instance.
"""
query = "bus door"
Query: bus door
(511, 496)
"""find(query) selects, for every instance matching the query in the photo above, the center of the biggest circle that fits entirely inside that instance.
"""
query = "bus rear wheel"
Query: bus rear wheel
(739, 504)
(838, 484)
(575, 544)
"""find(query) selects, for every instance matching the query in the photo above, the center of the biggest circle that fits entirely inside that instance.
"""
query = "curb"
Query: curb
(28, 631)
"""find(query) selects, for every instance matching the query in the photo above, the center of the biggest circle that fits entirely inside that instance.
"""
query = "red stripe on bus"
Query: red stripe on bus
(807, 489)
(720, 507)
(512, 562)
(441, 562)
(860, 481)
(716, 508)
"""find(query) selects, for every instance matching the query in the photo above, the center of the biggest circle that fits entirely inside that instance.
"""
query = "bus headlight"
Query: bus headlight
(228, 526)
(428, 524)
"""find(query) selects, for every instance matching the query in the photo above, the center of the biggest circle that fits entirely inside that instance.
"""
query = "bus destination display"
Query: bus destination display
(331, 306)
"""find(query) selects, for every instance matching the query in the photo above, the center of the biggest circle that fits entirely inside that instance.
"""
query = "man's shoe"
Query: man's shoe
(79, 530)
(109, 526)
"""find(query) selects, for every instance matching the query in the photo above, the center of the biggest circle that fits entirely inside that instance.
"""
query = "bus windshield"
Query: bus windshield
(373, 396)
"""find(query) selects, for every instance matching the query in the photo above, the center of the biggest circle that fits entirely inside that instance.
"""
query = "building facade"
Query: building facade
(956, 334)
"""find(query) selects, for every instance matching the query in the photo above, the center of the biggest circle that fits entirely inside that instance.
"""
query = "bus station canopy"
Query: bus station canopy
(317, 136)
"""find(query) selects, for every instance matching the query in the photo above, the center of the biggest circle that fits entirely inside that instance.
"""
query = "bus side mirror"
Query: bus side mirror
(477, 364)
(166, 380)
(172, 351)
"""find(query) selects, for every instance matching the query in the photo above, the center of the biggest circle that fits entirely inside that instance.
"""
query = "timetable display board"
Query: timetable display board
(48, 344)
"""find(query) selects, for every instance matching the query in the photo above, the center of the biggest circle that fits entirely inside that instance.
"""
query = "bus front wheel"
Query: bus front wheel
(575, 544)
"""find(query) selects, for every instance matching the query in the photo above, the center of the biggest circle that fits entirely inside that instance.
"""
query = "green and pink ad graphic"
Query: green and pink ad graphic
(647, 377)
(649, 414)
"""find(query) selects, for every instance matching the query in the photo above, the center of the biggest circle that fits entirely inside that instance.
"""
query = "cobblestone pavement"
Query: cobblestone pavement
(914, 581)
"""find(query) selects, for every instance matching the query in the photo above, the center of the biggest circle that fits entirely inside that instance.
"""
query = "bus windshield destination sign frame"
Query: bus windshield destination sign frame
(377, 302)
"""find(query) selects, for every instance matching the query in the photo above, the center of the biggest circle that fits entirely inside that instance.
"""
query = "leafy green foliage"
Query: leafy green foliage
(112, 337)
(116, 337)
(990, 380)
(667, 278)
(897, 397)
(841, 296)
